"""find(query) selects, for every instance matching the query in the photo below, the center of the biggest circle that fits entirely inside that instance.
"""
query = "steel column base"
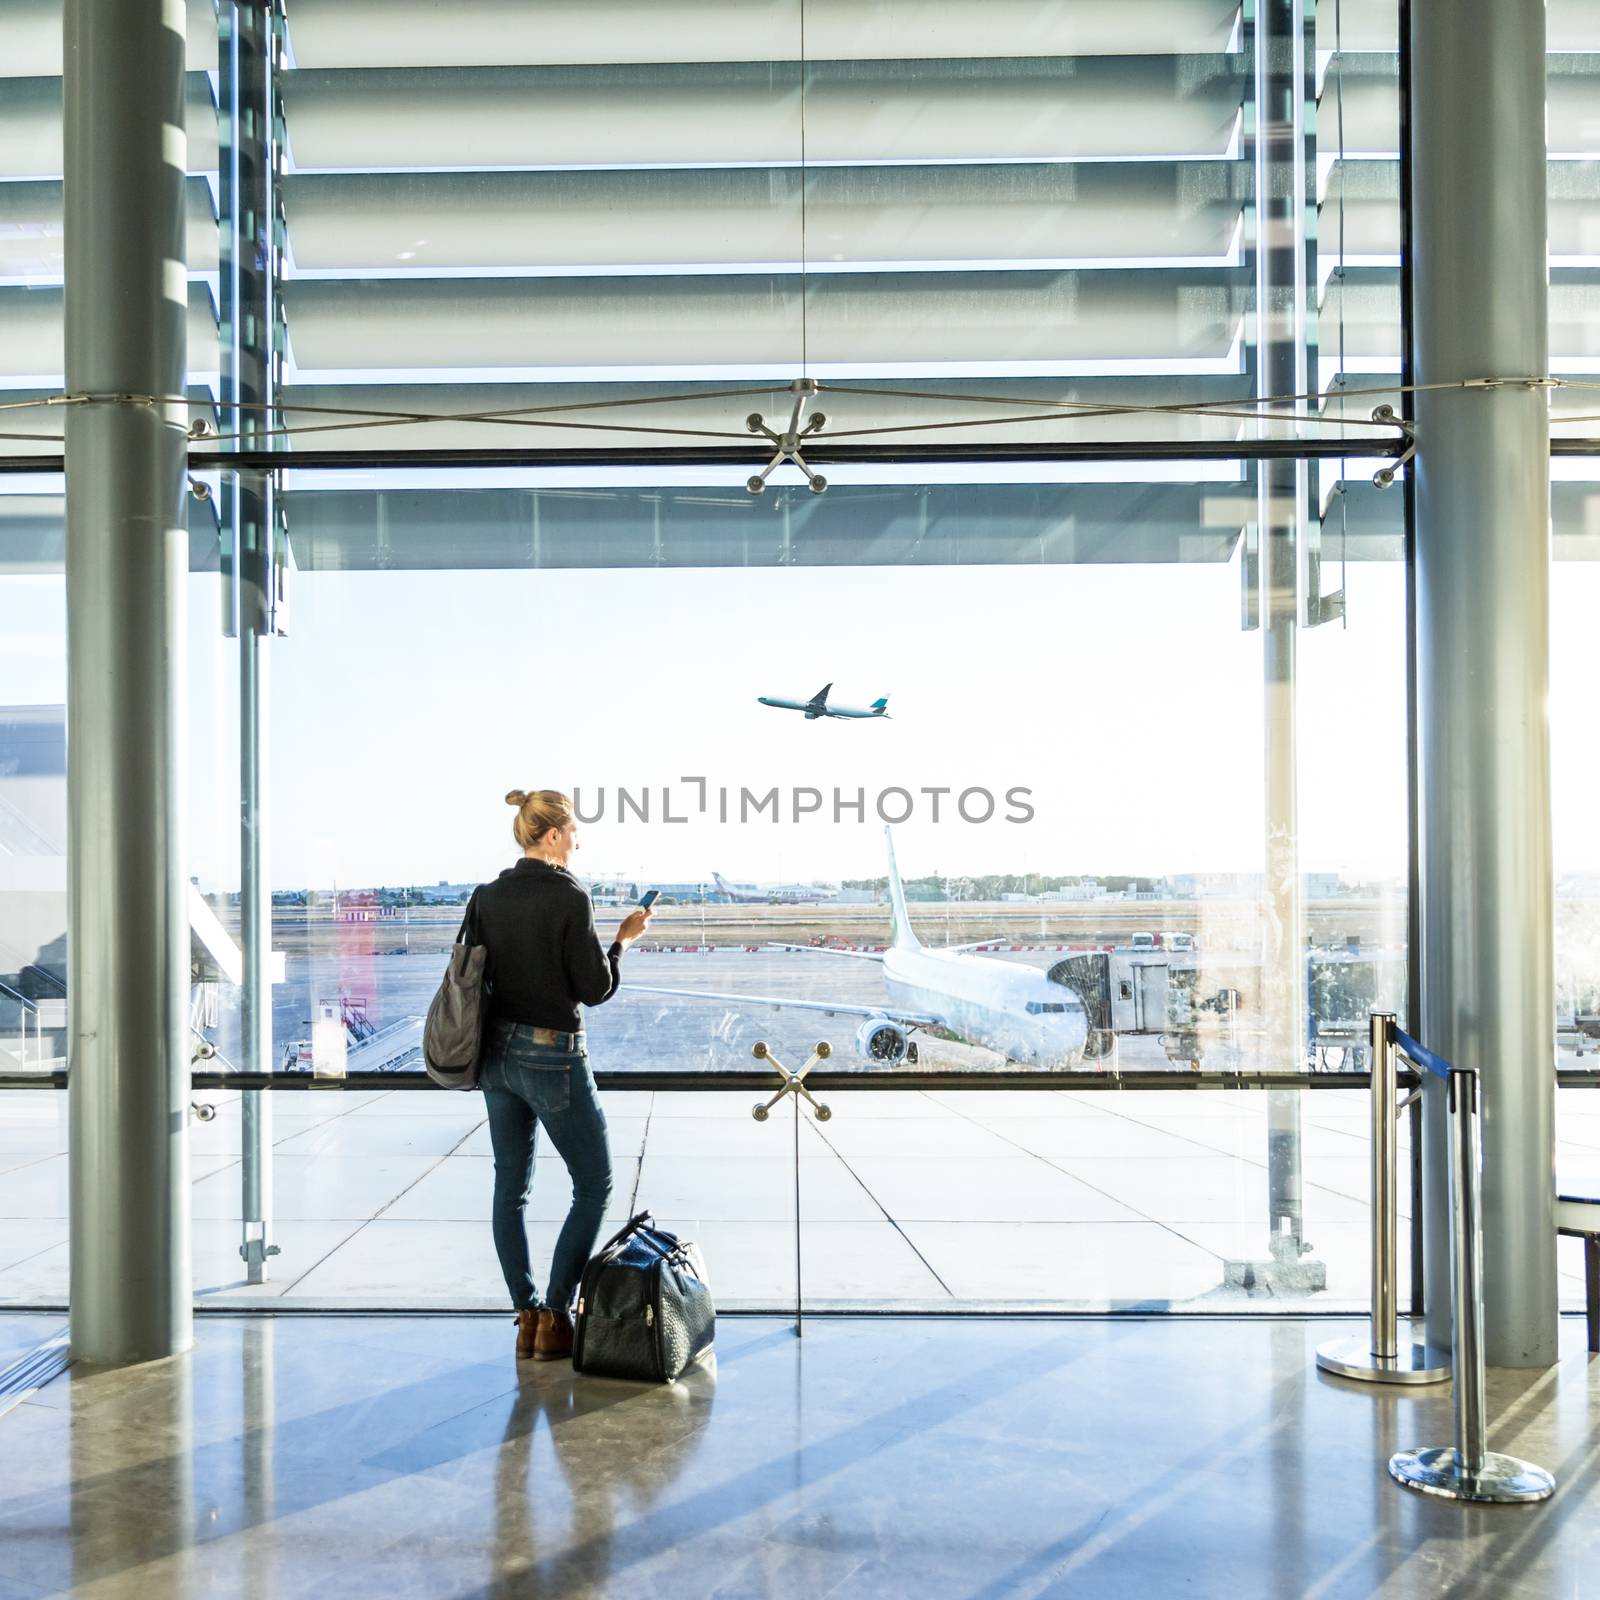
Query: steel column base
(1412, 1363)
(1503, 1480)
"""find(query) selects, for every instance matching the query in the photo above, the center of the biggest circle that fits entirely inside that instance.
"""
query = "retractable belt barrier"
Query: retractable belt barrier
(1466, 1469)
(1379, 1358)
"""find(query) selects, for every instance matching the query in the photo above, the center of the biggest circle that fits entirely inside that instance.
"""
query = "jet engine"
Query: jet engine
(879, 1039)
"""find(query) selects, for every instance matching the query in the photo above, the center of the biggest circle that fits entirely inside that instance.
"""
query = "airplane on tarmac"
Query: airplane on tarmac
(1011, 1009)
(742, 892)
(624, 891)
(817, 706)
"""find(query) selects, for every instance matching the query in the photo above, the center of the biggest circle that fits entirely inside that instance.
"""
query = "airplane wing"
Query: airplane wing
(821, 696)
(825, 950)
(912, 1019)
(980, 944)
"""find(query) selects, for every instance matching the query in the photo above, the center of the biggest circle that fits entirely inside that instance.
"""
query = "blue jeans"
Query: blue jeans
(523, 1085)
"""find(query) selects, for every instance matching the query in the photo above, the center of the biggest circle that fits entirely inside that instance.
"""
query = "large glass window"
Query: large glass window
(1574, 199)
(1132, 702)
(1072, 766)
(1576, 501)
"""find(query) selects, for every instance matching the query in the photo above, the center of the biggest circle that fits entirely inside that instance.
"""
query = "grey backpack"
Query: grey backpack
(453, 1034)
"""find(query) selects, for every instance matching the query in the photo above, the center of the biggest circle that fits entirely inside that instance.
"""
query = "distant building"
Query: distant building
(441, 893)
(365, 908)
(1083, 889)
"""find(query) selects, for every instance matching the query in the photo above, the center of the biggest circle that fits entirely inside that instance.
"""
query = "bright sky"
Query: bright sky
(1126, 698)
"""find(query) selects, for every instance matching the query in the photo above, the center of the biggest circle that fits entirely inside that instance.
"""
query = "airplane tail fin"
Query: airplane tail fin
(881, 704)
(904, 938)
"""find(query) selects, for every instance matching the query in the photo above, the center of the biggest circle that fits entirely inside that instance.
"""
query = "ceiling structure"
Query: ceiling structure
(501, 205)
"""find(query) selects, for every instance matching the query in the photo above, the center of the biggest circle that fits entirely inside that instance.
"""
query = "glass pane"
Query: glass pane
(1574, 213)
(33, 887)
(33, 777)
(31, 229)
(33, 709)
(1574, 594)
(1573, 597)
(1095, 767)
(1358, 222)
(1358, 209)
(1150, 600)
(1023, 1199)
(1048, 210)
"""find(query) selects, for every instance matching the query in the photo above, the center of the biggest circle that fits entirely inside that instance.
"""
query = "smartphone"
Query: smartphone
(648, 899)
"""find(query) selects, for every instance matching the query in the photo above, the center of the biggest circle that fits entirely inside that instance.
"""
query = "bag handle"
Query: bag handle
(620, 1237)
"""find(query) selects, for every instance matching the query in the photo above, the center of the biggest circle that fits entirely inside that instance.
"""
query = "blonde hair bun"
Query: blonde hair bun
(538, 811)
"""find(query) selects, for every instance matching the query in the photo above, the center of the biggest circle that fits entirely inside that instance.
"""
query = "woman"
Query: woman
(544, 961)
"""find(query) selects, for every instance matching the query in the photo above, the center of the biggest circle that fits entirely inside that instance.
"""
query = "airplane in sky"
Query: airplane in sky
(1011, 1009)
(739, 892)
(817, 706)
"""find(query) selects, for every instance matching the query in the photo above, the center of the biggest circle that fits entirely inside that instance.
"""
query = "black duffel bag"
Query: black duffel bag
(644, 1310)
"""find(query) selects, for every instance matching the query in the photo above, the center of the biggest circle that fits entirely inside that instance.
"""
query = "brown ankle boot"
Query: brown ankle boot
(553, 1341)
(527, 1332)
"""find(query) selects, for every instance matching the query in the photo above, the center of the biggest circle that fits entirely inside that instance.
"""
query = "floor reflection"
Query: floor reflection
(560, 1490)
(399, 1456)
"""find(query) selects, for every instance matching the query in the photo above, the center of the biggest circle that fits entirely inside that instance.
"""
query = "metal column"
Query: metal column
(249, 39)
(127, 562)
(1482, 624)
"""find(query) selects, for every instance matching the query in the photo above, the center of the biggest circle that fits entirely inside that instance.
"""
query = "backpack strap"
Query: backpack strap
(469, 921)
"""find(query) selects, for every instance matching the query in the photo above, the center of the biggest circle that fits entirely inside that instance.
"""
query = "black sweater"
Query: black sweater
(545, 957)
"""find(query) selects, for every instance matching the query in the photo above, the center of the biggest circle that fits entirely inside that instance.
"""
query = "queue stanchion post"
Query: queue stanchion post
(1382, 1357)
(1468, 1469)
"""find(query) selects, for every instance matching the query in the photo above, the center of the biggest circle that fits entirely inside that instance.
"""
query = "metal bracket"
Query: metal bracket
(793, 1086)
(1321, 608)
(786, 445)
(1384, 477)
(792, 1081)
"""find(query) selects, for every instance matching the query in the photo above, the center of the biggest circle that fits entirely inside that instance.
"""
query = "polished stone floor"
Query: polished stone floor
(875, 1458)
(1082, 1200)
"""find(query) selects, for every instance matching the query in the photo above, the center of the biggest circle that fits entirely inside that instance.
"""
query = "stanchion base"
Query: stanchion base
(1504, 1480)
(1413, 1363)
